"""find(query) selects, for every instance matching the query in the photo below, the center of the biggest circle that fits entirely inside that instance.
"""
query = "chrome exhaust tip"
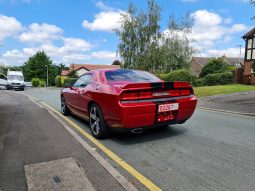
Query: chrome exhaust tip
(138, 130)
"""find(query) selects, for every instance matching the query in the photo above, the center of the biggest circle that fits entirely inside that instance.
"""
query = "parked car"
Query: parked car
(15, 80)
(127, 100)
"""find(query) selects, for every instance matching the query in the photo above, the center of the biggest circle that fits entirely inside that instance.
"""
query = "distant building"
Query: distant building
(198, 63)
(83, 68)
(249, 74)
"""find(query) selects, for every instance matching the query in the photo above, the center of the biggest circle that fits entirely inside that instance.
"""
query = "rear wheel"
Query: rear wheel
(98, 126)
(64, 109)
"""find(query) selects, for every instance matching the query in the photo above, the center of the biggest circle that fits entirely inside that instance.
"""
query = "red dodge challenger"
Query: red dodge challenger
(128, 100)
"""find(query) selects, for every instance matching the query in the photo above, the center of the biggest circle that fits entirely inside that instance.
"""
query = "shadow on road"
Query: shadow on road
(128, 138)
(148, 135)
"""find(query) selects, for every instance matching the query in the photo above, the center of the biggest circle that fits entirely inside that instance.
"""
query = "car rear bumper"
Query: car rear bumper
(145, 114)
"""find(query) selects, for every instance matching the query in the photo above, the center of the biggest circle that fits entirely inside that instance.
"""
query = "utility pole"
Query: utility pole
(240, 53)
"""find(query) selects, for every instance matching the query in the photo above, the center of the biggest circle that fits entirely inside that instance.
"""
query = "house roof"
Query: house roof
(88, 67)
(202, 61)
(92, 66)
(249, 34)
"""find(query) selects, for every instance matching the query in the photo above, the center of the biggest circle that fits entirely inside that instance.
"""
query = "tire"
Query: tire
(64, 109)
(97, 124)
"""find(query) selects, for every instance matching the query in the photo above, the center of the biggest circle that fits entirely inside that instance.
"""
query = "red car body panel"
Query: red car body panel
(129, 113)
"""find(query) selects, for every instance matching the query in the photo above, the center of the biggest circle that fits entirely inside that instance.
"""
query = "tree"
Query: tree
(143, 46)
(215, 65)
(116, 62)
(72, 73)
(35, 67)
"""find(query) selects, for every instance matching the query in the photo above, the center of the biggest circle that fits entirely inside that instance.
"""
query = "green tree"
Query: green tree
(35, 67)
(215, 65)
(143, 46)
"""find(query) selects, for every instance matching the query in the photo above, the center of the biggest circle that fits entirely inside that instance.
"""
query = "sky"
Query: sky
(81, 31)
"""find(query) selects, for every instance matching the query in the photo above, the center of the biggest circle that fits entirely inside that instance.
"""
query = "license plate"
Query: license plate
(168, 107)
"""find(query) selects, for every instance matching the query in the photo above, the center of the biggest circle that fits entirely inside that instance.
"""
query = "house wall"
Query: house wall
(247, 67)
(252, 79)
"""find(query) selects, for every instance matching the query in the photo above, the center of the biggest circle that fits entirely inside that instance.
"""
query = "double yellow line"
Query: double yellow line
(131, 170)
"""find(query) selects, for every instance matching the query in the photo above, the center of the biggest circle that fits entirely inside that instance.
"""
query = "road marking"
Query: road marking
(226, 112)
(131, 170)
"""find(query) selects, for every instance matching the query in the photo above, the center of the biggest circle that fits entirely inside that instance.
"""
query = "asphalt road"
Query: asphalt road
(211, 151)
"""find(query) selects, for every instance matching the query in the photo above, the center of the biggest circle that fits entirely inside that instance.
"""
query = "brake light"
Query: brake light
(129, 96)
(182, 85)
(175, 93)
(145, 95)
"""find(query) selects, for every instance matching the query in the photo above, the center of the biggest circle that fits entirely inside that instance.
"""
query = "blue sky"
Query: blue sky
(80, 31)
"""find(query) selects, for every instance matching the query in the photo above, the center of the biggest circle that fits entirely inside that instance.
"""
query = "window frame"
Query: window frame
(251, 49)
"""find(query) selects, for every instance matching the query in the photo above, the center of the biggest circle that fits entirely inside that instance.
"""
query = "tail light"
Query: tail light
(182, 85)
(175, 93)
(129, 96)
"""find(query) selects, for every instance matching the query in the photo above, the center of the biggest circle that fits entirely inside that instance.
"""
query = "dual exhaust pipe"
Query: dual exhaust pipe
(137, 131)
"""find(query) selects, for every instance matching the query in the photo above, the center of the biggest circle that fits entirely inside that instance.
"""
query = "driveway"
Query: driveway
(243, 103)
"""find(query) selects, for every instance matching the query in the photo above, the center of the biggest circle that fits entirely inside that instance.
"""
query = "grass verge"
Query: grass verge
(222, 89)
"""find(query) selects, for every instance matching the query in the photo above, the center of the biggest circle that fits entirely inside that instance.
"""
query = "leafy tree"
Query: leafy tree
(215, 65)
(143, 46)
(35, 67)
(116, 62)
(72, 73)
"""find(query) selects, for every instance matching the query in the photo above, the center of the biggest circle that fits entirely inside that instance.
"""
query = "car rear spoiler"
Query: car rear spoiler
(157, 86)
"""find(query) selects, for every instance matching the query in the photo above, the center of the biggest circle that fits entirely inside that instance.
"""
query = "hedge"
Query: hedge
(35, 82)
(63, 80)
(176, 75)
(70, 81)
(219, 79)
(58, 81)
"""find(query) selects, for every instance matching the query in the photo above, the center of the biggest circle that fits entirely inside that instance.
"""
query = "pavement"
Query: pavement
(243, 103)
(31, 137)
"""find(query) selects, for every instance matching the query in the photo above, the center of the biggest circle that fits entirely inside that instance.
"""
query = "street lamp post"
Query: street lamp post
(47, 84)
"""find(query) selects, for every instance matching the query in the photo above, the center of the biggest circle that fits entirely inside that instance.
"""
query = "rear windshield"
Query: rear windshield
(130, 76)
(15, 77)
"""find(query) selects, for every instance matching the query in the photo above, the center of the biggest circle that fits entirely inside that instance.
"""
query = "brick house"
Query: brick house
(249, 74)
(198, 63)
(83, 68)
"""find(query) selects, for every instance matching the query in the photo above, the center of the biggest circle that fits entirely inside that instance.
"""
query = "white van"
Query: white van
(3, 80)
(15, 80)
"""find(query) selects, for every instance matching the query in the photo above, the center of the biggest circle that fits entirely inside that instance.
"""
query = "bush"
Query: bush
(219, 79)
(215, 65)
(42, 83)
(35, 82)
(58, 81)
(200, 82)
(178, 75)
(63, 80)
(70, 81)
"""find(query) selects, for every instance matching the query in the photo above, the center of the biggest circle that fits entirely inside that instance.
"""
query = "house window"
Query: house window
(250, 49)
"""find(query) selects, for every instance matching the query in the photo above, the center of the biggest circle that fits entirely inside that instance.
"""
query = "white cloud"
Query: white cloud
(238, 28)
(75, 44)
(41, 33)
(209, 28)
(104, 7)
(229, 52)
(104, 55)
(15, 54)
(104, 21)
(8, 26)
